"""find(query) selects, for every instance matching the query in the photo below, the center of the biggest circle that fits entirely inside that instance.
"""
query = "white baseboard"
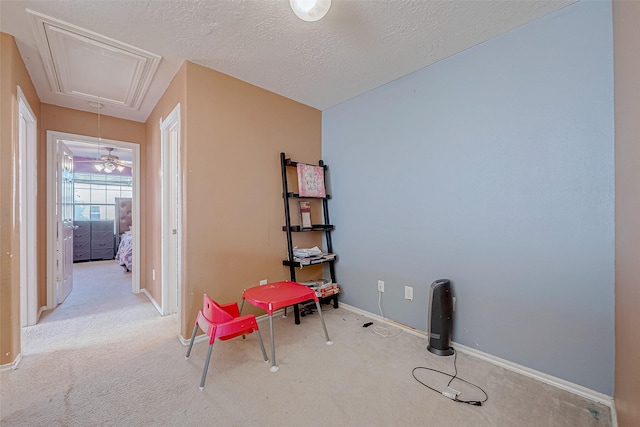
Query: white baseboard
(514, 367)
(11, 366)
(537, 375)
(614, 415)
(40, 311)
(199, 338)
(153, 301)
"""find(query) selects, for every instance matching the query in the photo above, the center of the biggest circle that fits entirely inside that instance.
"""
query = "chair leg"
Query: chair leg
(264, 353)
(326, 334)
(206, 367)
(193, 338)
(241, 307)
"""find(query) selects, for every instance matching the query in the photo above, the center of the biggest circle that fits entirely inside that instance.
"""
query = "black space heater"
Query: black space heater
(440, 318)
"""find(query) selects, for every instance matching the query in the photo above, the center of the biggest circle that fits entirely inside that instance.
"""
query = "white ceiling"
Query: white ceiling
(358, 46)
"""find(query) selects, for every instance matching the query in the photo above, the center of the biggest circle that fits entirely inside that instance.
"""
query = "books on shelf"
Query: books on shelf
(317, 283)
(306, 252)
(309, 256)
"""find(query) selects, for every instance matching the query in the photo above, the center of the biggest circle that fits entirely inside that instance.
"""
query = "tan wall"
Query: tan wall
(13, 73)
(232, 206)
(626, 32)
(152, 254)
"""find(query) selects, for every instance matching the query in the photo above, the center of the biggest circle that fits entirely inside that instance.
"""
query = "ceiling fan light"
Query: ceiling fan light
(99, 167)
(120, 168)
(109, 167)
(310, 10)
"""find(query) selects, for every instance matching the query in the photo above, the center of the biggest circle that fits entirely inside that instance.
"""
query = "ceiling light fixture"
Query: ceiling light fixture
(107, 162)
(310, 10)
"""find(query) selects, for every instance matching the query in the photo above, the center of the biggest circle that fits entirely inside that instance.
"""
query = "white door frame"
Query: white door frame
(171, 202)
(52, 138)
(28, 142)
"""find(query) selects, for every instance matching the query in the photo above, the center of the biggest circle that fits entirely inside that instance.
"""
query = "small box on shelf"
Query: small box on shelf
(327, 292)
(305, 214)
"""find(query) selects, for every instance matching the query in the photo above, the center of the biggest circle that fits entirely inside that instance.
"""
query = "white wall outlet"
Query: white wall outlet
(263, 282)
(153, 274)
(408, 293)
(380, 285)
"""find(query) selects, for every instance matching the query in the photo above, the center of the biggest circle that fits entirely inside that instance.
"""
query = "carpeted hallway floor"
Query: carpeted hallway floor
(105, 357)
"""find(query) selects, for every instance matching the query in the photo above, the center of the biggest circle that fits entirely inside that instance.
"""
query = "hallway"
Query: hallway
(99, 310)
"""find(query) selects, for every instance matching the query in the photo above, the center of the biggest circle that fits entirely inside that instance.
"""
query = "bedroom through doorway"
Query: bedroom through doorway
(105, 173)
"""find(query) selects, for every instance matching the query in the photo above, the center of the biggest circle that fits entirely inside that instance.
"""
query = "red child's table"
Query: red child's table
(274, 296)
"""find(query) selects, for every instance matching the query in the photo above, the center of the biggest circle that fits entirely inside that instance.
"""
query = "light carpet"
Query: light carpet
(105, 357)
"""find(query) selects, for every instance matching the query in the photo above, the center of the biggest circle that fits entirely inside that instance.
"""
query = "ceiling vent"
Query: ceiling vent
(84, 64)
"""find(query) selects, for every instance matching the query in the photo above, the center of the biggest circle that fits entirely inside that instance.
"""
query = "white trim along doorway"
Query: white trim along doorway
(53, 137)
(27, 146)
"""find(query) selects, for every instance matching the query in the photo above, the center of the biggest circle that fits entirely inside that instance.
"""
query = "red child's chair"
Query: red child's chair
(223, 322)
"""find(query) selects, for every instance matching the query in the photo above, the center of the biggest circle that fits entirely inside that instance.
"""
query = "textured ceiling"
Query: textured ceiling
(359, 45)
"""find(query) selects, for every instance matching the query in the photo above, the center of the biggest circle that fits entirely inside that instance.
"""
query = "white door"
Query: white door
(64, 215)
(170, 140)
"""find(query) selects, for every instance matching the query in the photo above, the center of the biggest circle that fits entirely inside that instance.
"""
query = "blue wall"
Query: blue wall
(494, 169)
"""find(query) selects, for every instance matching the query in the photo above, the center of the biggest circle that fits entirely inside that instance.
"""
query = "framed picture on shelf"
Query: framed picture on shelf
(311, 180)
(305, 214)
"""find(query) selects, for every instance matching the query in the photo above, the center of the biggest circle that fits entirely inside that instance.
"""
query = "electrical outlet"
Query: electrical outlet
(263, 282)
(380, 286)
(408, 293)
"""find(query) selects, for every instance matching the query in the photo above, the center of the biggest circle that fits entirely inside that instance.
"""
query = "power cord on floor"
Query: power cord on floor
(383, 331)
(450, 393)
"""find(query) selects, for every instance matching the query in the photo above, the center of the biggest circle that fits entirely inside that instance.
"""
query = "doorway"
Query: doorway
(54, 140)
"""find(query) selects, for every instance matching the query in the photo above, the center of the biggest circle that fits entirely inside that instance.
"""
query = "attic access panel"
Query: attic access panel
(87, 65)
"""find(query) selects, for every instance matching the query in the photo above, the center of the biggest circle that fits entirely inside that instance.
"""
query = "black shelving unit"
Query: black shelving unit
(325, 227)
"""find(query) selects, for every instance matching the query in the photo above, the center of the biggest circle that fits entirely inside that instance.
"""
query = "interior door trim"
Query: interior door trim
(28, 243)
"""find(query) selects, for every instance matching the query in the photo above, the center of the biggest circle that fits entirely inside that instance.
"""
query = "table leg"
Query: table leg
(296, 313)
(326, 334)
(274, 368)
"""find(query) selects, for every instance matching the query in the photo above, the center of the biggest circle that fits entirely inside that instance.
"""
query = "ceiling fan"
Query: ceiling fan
(109, 162)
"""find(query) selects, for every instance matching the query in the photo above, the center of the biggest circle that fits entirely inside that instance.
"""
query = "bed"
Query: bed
(124, 238)
(125, 251)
